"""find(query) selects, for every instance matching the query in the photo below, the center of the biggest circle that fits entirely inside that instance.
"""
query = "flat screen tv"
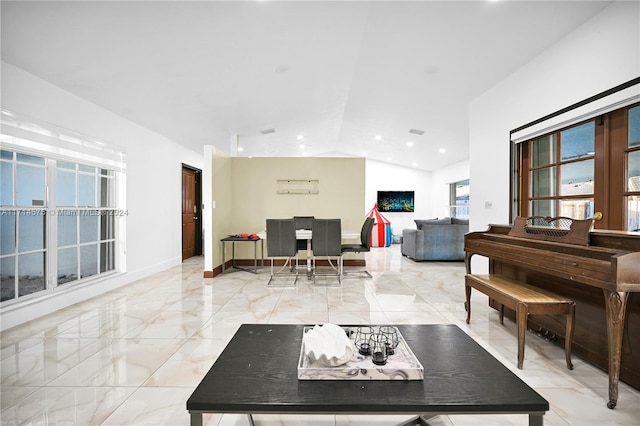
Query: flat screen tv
(395, 201)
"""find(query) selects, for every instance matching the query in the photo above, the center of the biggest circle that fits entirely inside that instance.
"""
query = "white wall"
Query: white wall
(441, 181)
(388, 177)
(153, 179)
(432, 189)
(602, 53)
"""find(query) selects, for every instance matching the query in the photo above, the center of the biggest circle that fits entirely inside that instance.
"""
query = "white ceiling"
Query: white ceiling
(337, 73)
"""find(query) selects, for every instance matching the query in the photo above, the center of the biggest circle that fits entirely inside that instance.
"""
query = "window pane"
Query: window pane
(31, 159)
(84, 168)
(88, 226)
(8, 230)
(577, 178)
(67, 229)
(106, 226)
(634, 126)
(31, 273)
(29, 186)
(633, 213)
(66, 165)
(86, 190)
(543, 182)
(578, 141)
(6, 155)
(67, 265)
(543, 150)
(107, 257)
(543, 208)
(6, 183)
(577, 209)
(31, 231)
(88, 260)
(106, 192)
(65, 188)
(633, 171)
(8, 278)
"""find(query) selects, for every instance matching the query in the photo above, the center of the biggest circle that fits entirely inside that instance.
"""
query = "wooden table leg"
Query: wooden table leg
(616, 307)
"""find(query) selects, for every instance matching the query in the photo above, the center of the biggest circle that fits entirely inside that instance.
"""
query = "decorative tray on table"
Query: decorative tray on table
(401, 365)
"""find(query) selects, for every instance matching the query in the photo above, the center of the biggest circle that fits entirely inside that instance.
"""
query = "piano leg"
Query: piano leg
(616, 306)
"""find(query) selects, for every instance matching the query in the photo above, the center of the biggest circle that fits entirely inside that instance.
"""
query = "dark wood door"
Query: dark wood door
(189, 213)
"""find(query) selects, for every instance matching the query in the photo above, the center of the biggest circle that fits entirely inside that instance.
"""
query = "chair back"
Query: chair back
(303, 222)
(281, 237)
(365, 233)
(326, 237)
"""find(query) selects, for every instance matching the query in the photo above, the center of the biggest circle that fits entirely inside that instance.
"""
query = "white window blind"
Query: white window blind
(584, 111)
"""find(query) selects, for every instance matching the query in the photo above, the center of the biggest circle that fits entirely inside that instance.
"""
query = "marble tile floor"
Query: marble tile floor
(133, 356)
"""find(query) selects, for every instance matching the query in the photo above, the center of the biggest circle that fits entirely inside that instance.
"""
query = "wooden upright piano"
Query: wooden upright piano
(607, 329)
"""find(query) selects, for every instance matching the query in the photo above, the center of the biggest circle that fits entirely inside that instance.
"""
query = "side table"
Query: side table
(233, 240)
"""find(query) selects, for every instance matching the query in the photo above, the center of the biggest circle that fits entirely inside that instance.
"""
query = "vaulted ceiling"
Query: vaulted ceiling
(348, 77)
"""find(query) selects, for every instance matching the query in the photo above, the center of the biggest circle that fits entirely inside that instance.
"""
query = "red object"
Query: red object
(381, 234)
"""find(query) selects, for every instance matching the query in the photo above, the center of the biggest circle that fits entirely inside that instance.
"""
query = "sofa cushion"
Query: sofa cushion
(458, 221)
(436, 221)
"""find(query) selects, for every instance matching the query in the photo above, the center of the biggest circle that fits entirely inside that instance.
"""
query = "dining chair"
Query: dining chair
(303, 222)
(281, 242)
(364, 246)
(326, 240)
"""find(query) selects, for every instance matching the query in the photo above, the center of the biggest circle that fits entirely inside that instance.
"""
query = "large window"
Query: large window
(587, 170)
(59, 217)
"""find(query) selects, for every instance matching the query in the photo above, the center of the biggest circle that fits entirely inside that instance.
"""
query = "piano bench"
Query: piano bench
(525, 300)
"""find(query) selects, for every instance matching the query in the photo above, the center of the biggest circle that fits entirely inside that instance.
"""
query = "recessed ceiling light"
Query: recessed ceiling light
(389, 159)
(364, 154)
(414, 164)
(299, 137)
(240, 149)
(378, 137)
(442, 150)
(301, 146)
(409, 143)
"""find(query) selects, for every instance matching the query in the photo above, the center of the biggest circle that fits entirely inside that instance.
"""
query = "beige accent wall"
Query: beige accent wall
(245, 191)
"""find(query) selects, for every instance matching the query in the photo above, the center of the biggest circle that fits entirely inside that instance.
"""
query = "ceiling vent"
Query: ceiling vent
(417, 132)
(267, 131)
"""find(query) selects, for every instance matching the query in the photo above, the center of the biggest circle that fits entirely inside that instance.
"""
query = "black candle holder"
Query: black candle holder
(379, 349)
(362, 340)
(390, 335)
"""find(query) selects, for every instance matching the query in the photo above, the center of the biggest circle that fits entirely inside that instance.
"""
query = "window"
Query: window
(60, 221)
(561, 173)
(22, 222)
(459, 199)
(587, 170)
(85, 221)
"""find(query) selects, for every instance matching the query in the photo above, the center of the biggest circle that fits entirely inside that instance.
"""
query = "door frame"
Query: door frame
(198, 246)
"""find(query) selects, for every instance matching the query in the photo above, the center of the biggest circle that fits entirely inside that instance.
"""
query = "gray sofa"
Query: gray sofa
(435, 239)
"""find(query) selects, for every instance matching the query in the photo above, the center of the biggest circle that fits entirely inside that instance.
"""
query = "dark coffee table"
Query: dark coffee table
(257, 374)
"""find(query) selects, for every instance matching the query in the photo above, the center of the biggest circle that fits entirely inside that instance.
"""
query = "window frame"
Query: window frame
(610, 158)
(20, 135)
